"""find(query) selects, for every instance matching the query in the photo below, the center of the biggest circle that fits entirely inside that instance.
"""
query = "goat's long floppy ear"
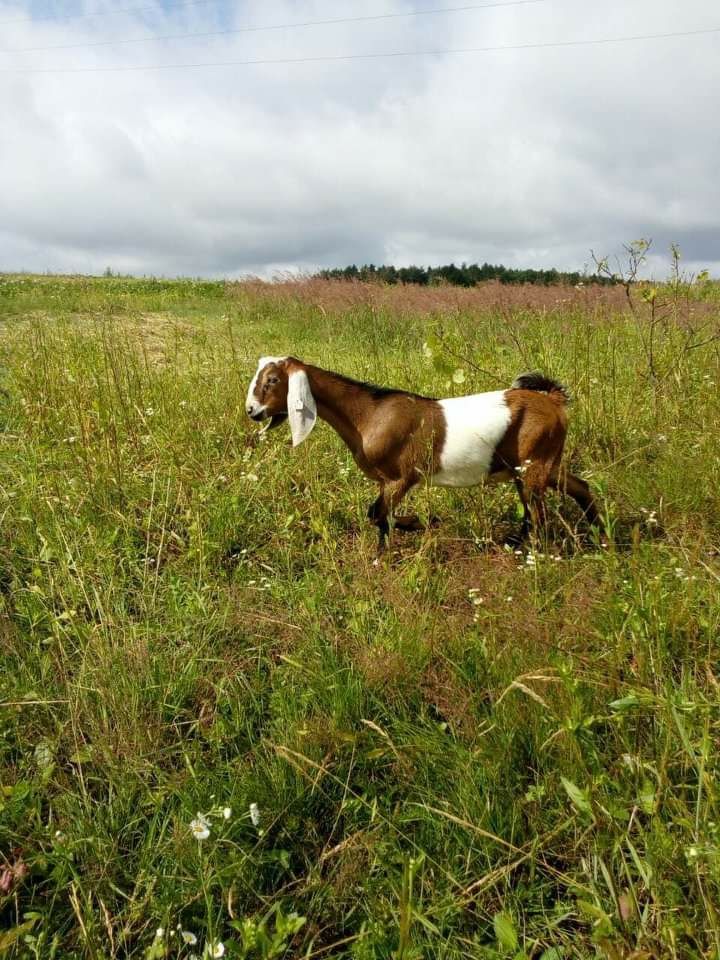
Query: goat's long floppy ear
(302, 412)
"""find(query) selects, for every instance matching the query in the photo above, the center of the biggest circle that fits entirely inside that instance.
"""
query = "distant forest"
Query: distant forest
(466, 275)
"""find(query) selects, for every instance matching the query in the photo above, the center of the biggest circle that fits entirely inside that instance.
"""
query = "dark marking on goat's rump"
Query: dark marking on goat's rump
(537, 382)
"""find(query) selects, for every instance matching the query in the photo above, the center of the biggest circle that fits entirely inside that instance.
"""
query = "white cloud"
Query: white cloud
(527, 157)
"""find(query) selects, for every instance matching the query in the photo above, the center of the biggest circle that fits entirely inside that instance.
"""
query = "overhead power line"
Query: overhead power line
(276, 26)
(111, 13)
(545, 45)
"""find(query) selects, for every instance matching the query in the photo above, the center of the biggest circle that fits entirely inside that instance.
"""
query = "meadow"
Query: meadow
(224, 731)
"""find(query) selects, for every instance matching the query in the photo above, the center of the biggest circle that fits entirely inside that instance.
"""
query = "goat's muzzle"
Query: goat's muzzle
(272, 419)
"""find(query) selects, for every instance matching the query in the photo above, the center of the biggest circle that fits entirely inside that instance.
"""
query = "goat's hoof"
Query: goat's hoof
(408, 524)
(413, 524)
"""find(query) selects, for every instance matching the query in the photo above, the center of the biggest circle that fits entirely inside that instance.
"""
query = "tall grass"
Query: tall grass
(469, 752)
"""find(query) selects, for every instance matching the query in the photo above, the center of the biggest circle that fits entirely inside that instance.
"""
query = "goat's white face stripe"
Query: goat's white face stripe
(474, 426)
(252, 404)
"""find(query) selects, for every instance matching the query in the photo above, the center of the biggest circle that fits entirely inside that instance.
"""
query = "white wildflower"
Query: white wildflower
(160, 933)
(255, 814)
(252, 477)
(200, 828)
(188, 937)
(216, 949)
(227, 813)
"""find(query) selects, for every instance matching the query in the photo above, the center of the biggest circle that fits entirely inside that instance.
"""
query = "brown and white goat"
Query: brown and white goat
(399, 438)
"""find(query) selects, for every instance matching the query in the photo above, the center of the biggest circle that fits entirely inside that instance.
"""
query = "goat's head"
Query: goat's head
(280, 390)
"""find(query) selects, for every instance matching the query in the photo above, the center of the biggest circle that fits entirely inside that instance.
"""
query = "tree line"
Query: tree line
(465, 275)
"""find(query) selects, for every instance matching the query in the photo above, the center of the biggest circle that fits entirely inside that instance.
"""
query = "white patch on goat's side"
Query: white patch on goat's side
(251, 404)
(474, 426)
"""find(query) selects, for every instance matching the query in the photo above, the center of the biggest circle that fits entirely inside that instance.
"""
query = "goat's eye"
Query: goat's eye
(272, 381)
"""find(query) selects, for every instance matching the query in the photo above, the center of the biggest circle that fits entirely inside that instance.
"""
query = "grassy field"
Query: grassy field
(223, 730)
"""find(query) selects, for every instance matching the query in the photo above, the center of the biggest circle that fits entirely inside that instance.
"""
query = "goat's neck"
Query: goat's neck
(345, 406)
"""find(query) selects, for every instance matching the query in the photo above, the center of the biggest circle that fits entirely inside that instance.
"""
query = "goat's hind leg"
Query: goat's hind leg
(527, 518)
(579, 490)
(531, 487)
(532, 498)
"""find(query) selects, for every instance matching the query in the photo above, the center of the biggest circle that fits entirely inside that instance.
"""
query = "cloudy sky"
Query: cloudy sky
(526, 156)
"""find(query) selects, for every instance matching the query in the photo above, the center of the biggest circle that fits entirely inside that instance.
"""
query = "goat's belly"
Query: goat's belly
(474, 426)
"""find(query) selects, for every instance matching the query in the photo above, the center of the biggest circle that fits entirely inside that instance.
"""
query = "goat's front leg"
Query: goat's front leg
(379, 511)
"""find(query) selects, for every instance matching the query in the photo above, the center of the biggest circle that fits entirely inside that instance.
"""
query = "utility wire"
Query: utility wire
(276, 26)
(110, 13)
(551, 44)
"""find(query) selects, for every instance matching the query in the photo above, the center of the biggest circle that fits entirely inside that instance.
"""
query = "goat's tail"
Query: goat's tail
(537, 381)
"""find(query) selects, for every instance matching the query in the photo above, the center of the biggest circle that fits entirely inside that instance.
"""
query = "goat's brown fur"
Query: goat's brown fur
(397, 437)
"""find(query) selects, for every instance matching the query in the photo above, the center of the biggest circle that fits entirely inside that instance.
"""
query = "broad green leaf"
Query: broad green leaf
(9, 938)
(590, 910)
(579, 797)
(505, 931)
(646, 797)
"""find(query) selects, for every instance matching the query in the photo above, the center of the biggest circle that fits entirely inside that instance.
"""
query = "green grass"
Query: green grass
(467, 752)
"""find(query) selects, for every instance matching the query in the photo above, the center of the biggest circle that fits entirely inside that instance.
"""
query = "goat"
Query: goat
(398, 438)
